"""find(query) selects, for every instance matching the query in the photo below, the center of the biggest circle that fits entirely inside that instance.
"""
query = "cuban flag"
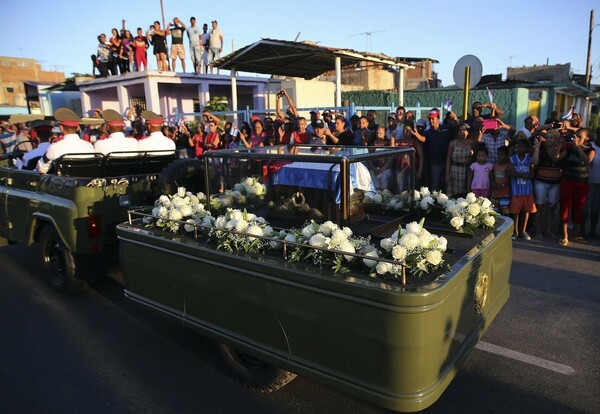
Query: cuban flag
(490, 95)
(448, 105)
(569, 115)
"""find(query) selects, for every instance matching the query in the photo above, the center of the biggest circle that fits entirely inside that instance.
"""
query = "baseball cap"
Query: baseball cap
(319, 123)
(392, 115)
(421, 122)
(434, 113)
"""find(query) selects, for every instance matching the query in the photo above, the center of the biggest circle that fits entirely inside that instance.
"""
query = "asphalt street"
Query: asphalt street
(95, 352)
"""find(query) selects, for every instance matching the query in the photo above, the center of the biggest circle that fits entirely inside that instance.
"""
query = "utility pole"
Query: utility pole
(588, 68)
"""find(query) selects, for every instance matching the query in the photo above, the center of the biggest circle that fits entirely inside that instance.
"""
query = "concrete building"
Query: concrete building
(365, 76)
(167, 93)
(14, 71)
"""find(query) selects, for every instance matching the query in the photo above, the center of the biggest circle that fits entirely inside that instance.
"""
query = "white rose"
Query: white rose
(193, 199)
(413, 228)
(457, 222)
(347, 247)
(275, 245)
(163, 212)
(387, 244)
(175, 215)
(255, 231)
(189, 225)
(201, 196)
(220, 223)
(327, 228)
(417, 195)
(471, 198)
(319, 240)
(235, 215)
(186, 211)
(395, 235)
(308, 231)
(241, 225)
(384, 267)
(248, 181)
(347, 231)
(164, 199)
(177, 201)
(290, 238)
(424, 191)
(434, 257)
(425, 238)
(155, 211)
(442, 243)
(181, 192)
(250, 217)
(442, 199)
(399, 252)
(489, 221)
(338, 237)
(260, 189)
(198, 208)
(238, 187)
(485, 202)
(474, 209)
(261, 220)
(377, 198)
(368, 262)
(409, 241)
(268, 231)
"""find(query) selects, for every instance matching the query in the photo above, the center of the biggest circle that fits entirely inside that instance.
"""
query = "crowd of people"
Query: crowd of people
(123, 52)
(542, 169)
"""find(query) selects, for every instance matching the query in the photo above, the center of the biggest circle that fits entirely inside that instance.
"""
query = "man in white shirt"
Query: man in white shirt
(68, 122)
(215, 44)
(156, 140)
(116, 141)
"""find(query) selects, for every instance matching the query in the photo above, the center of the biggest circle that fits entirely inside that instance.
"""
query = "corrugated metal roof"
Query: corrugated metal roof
(296, 59)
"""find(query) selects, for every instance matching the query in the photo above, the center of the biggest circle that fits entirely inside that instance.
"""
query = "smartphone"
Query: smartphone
(490, 124)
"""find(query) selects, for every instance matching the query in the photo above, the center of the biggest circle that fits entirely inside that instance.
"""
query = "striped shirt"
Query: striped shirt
(521, 186)
(8, 141)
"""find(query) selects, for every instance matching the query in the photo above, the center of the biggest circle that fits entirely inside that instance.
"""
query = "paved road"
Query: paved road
(97, 353)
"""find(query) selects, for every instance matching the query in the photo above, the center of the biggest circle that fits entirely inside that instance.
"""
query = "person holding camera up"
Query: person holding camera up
(177, 49)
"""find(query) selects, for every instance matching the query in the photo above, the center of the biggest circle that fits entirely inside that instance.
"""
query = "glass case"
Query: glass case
(292, 184)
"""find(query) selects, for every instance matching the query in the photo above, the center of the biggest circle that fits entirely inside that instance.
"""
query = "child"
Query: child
(500, 182)
(479, 173)
(522, 203)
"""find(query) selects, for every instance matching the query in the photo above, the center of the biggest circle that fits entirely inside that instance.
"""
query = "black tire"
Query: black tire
(59, 262)
(188, 173)
(253, 373)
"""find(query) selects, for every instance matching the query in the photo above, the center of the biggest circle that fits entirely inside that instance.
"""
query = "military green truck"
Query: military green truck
(72, 212)
(392, 341)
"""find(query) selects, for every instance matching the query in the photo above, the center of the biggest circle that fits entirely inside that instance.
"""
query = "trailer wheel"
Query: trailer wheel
(59, 262)
(253, 373)
(188, 173)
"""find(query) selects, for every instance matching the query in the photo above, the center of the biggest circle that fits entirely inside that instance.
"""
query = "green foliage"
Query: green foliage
(593, 122)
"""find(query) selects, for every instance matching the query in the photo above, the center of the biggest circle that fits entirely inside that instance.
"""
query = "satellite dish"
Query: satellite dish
(475, 72)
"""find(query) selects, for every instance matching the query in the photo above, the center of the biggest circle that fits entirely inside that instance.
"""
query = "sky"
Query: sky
(61, 35)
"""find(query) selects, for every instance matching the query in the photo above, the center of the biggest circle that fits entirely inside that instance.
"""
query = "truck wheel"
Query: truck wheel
(253, 373)
(59, 262)
(188, 173)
